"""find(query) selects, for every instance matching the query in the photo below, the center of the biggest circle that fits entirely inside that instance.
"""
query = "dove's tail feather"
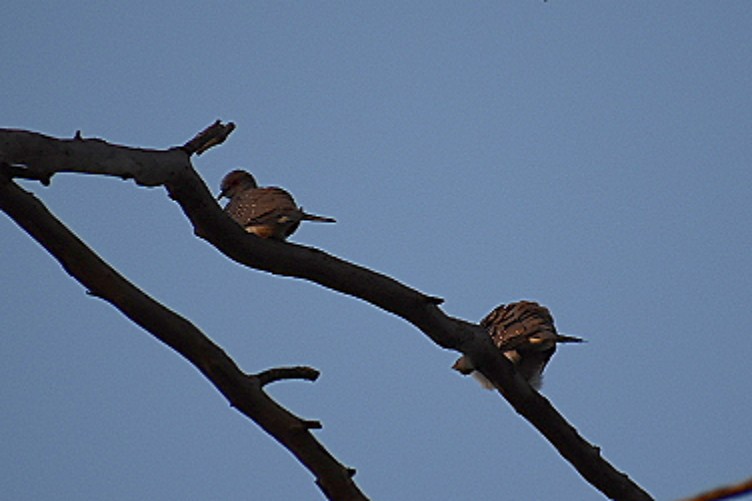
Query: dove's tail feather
(320, 219)
(569, 339)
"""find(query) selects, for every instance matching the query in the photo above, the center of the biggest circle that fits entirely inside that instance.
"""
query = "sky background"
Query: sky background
(593, 156)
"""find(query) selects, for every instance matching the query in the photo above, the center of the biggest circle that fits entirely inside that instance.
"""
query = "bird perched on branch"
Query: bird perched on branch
(268, 212)
(525, 333)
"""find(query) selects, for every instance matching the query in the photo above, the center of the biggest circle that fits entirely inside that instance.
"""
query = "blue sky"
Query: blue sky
(593, 156)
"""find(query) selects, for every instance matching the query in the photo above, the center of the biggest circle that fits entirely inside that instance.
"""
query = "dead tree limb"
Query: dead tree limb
(245, 392)
(172, 169)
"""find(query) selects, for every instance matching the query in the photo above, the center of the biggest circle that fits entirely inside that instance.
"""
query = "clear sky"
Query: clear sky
(593, 156)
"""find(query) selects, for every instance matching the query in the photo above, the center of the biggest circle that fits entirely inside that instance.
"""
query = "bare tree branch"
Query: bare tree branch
(212, 136)
(172, 169)
(281, 373)
(725, 492)
(244, 392)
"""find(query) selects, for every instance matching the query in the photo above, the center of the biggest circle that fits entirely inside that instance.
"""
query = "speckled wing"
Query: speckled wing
(268, 212)
(521, 326)
(525, 332)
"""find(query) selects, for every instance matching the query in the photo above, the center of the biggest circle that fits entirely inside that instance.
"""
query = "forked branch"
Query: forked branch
(244, 392)
(172, 169)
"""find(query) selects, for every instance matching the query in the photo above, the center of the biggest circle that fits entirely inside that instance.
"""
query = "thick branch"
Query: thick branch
(36, 156)
(244, 392)
(211, 224)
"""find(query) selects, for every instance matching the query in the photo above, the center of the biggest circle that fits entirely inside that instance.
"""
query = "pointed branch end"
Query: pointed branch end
(435, 300)
(212, 136)
(309, 424)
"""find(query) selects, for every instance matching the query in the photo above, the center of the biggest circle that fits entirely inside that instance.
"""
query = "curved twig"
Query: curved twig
(282, 373)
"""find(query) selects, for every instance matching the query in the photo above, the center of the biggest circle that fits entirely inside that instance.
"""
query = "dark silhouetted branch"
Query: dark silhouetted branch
(244, 392)
(185, 186)
(282, 373)
(213, 135)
